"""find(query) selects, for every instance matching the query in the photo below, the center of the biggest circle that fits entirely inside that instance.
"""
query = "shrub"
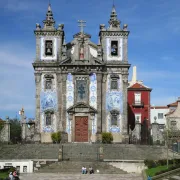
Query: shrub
(107, 138)
(56, 137)
(150, 163)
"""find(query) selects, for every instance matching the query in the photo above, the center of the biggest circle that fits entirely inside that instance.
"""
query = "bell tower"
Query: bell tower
(49, 40)
(114, 39)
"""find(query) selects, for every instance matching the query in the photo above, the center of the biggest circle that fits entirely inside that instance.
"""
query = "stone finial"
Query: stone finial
(102, 27)
(114, 22)
(49, 21)
(38, 26)
(155, 119)
(7, 118)
(60, 27)
(125, 27)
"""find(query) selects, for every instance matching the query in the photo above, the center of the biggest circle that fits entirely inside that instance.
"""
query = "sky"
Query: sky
(153, 44)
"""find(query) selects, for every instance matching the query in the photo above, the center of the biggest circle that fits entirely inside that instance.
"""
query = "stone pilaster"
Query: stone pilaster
(23, 131)
(59, 96)
(38, 110)
(38, 47)
(136, 133)
(104, 102)
(125, 48)
(99, 104)
(125, 116)
(63, 115)
(5, 133)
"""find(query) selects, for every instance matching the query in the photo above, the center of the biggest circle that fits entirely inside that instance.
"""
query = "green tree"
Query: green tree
(15, 131)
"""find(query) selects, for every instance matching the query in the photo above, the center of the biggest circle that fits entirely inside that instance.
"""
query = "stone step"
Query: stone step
(75, 167)
(42, 176)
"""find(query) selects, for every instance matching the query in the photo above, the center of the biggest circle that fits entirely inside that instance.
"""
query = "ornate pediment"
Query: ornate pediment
(81, 108)
(66, 61)
(97, 61)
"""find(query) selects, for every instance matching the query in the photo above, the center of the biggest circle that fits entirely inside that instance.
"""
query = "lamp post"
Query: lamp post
(167, 136)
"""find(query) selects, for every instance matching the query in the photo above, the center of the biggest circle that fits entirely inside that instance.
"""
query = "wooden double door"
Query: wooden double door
(81, 129)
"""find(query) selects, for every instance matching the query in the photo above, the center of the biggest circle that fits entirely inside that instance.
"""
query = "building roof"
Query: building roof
(174, 104)
(139, 86)
(159, 107)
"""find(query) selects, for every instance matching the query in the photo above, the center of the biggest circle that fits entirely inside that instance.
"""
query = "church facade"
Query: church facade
(81, 87)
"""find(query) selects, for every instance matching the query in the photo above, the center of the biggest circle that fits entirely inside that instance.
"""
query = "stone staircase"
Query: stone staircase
(174, 177)
(29, 151)
(43, 176)
(84, 152)
(71, 167)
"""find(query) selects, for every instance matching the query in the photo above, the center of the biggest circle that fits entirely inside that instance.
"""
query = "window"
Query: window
(138, 117)
(114, 120)
(25, 169)
(160, 115)
(114, 48)
(137, 98)
(48, 84)
(48, 79)
(18, 168)
(114, 117)
(114, 84)
(49, 48)
(48, 119)
(173, 125)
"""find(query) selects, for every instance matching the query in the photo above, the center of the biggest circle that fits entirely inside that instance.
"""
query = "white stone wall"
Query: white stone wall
(154, 113)
(21, 163)
(130, 167)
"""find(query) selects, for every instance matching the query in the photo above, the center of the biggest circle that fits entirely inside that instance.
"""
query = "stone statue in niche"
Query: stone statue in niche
(81, 52)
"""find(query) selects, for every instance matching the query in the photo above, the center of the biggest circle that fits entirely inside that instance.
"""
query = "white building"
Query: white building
(23, 166)
(158, 114)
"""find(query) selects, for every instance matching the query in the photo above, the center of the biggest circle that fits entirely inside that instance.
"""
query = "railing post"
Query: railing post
(101, 153)
(60, 154)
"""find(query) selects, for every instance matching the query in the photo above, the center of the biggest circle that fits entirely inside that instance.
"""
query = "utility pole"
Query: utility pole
(167, 138)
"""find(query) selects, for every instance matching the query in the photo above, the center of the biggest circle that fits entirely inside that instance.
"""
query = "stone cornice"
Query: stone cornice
(114, 33)
(48, 33)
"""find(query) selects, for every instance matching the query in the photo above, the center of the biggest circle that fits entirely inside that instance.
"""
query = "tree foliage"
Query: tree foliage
(107, 138)
(15, 131)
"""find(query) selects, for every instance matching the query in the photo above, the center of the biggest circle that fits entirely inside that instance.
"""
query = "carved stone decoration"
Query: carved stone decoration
(70, 100)
(37, 78)
(93, 91)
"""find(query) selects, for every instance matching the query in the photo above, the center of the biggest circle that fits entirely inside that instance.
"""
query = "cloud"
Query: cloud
(16, 55)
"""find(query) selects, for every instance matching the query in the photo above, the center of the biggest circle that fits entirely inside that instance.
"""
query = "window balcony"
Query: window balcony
(138, 104)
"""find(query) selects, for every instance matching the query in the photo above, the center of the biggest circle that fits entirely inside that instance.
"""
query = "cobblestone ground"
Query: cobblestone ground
(44, 176)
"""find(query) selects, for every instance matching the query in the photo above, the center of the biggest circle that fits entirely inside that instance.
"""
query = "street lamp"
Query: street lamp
(167, 136)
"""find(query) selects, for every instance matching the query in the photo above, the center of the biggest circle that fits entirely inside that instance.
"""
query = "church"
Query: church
(81, 87)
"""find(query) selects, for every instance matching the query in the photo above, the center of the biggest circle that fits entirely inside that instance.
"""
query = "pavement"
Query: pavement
(50, 176)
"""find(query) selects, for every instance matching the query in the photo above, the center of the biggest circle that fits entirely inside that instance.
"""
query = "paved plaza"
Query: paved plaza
(48, 176)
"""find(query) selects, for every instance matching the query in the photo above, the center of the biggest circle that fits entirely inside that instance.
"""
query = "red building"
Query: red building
(138, 102)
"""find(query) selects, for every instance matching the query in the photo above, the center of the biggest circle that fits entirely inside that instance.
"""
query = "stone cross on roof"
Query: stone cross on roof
(82, 25)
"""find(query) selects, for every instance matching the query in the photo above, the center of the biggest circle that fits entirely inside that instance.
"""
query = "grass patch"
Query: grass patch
(152, 171)
(3, 174)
